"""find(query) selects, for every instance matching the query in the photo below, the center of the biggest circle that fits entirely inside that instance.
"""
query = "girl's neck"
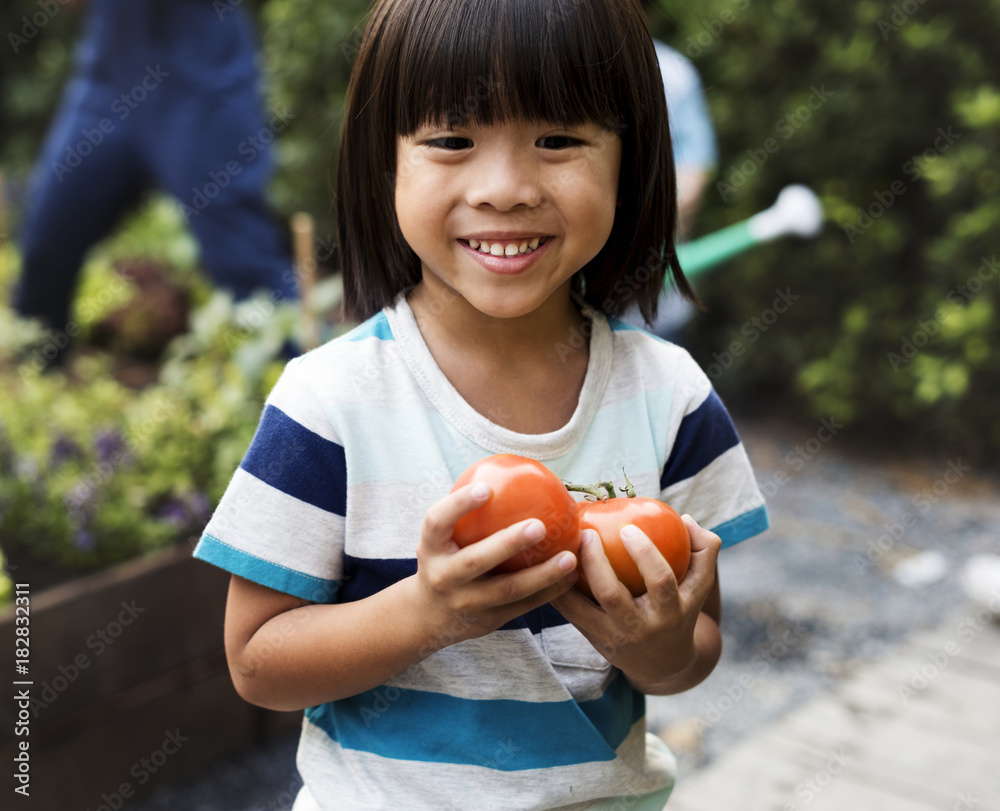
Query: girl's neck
(523, 373)
(547, 333)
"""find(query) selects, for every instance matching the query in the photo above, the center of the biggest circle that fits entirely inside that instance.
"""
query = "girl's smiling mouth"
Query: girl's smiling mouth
(505, 247)
(511, 254)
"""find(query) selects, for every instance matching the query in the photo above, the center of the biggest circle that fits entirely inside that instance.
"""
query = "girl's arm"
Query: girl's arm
(667, 640)
(287, 654)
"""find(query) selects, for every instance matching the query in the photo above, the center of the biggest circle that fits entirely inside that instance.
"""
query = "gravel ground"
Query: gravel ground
(804, 605)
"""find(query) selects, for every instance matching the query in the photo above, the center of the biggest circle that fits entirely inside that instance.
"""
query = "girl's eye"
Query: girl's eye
(450, 143)
(558, 142)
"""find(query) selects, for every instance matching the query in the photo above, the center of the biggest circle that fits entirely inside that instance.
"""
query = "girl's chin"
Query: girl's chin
(507, 304)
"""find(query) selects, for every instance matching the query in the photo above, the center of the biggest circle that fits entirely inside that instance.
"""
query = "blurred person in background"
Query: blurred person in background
(695, 155)
(164, 94)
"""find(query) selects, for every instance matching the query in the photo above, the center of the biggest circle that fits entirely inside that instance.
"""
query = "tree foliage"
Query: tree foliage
(891, 112)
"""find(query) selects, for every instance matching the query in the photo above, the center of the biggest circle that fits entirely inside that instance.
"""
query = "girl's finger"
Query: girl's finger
(659, 577)
(705, 546)
(439, 522)
(609, 592)
(481, 557)
(534, 586)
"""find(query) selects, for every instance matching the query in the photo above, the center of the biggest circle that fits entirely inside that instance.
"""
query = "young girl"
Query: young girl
(505, 185)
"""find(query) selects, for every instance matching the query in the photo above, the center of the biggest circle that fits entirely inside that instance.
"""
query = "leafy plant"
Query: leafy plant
(892, 114)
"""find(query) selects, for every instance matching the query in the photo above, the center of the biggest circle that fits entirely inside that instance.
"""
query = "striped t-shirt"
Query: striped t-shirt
(357, 440)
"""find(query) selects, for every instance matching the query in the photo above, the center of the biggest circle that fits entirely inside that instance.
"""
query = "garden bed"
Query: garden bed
(129, 683)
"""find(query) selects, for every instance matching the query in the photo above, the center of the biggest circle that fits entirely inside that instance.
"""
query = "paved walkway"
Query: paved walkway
(917, 730)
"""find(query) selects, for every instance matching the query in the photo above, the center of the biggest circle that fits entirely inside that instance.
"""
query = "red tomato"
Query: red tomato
(522, 488)
(659, 521)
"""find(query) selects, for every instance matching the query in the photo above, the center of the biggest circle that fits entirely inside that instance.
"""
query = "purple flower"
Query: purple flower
(63, 450)
(109, 444)
(84, 540)
(174, 512)
(199, 505)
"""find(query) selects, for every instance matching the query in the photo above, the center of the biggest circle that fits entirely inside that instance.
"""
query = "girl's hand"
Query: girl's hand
(666, 640)
(456, 597)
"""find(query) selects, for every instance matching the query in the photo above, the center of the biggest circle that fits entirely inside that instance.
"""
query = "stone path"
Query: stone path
(915, 731)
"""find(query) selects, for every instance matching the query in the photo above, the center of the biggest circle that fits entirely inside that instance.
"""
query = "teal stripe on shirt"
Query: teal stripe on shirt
(743, 527)
(375, 327)
(500, 734)
(250, 567)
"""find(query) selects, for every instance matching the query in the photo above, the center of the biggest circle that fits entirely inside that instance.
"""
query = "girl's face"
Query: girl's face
(505, 215)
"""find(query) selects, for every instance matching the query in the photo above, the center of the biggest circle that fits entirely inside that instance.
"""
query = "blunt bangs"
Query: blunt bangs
(560, 61)
(489, 62)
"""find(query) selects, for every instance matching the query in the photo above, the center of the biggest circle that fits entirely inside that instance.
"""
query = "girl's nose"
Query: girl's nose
(505, 180)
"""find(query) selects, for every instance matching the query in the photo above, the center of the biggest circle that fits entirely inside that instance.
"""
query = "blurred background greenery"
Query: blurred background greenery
(889, 111)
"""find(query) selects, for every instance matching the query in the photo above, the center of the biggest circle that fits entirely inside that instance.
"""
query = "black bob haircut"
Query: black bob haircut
(567, 62)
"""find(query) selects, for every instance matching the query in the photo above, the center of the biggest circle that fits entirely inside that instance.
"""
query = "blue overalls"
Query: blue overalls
(164, 95)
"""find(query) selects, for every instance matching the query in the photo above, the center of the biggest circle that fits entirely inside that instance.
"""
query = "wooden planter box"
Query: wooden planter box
(130, 685)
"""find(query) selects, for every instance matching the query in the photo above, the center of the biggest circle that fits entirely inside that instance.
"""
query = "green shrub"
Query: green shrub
(308, 49)
(896, 309)
(902, 146)
(93, 472)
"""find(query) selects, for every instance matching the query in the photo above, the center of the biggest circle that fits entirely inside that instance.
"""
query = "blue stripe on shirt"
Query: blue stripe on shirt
(364, 577)
(439, 728)
(704, 435)
(298, 462)
(743, 527)
(375, 327)
(281, 578)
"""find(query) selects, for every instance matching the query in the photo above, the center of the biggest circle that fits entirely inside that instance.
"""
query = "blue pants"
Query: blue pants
(165, 96)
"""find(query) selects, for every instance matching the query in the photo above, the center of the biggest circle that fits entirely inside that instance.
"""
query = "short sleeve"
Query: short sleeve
(280, 522)
(707, 473)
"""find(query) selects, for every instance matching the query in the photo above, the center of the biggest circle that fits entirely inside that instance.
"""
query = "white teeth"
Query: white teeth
(505, 249)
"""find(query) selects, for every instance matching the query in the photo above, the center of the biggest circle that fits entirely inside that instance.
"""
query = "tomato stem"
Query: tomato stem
(601, 491)
(628, 489)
